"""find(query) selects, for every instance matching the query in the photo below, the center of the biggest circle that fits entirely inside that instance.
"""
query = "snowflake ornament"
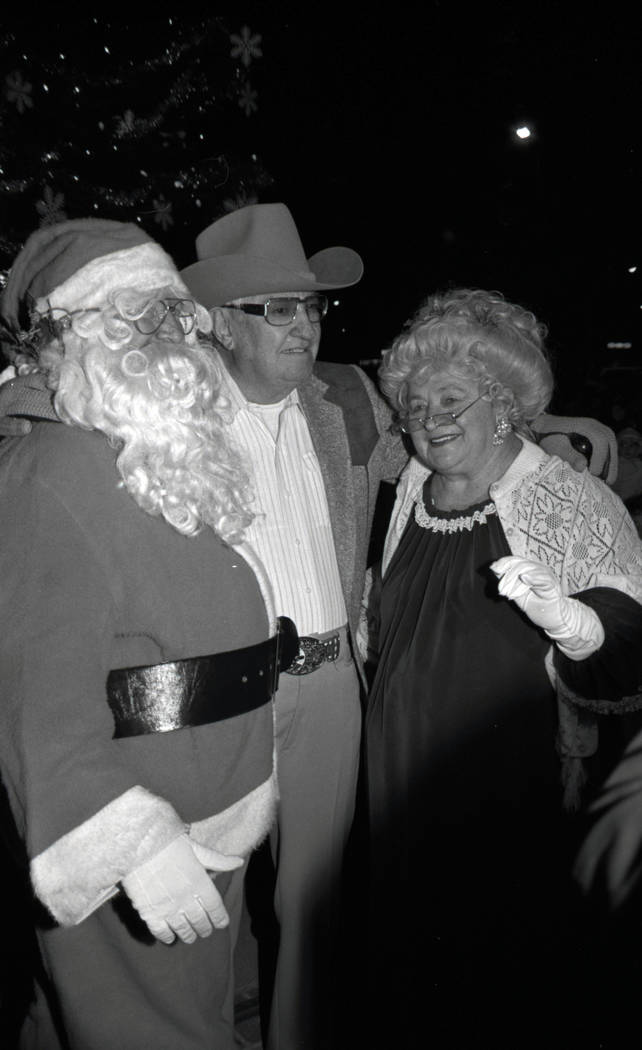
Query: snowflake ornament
(51, 208)
(19, 91)
(246, 45)
(247, 100)
(163, 212)
(125, 125)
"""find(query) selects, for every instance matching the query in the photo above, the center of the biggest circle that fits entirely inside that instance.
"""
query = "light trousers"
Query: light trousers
(318, 728)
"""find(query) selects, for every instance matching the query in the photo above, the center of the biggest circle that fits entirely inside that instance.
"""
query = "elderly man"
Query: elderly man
(138, 651)
(318, 442)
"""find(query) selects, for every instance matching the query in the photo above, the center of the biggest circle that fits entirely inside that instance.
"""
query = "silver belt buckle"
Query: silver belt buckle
(312, 653)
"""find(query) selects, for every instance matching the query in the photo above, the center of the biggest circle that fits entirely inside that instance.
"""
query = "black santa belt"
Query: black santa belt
(204, 689)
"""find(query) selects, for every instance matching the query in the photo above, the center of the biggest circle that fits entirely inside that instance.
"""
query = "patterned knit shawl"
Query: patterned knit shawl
(574, 524)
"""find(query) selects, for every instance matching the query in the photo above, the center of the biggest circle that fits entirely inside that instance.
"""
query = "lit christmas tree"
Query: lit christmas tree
(145, 121)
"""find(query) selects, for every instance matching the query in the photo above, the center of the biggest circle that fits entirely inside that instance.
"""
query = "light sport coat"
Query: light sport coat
(350, 428)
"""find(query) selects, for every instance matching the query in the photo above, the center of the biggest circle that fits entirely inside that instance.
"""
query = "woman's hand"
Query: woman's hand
(575, 628)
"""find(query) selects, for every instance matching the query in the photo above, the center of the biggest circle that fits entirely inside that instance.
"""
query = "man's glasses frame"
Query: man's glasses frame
(283, 310)
(410, 425)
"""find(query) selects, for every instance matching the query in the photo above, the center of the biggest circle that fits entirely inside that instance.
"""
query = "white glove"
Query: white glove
(173, 893)
(576, 629)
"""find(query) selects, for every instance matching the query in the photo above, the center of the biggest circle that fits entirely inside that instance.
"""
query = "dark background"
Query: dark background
(392, 133)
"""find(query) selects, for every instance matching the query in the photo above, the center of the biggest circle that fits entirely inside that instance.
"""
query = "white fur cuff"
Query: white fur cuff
(81, 870)
(242, 826)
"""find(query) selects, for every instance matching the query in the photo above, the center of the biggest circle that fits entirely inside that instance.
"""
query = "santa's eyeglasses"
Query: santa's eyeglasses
(182, 310)
(151, 319)
(57, 321)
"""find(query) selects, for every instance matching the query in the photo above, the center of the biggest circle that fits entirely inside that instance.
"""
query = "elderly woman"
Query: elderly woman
(507, 578)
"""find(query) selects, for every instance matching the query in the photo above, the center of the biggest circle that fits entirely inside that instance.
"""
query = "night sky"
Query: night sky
(395, 134)
(418, 165)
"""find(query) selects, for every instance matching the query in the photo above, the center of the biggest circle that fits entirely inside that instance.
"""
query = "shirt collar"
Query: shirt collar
(237, 399)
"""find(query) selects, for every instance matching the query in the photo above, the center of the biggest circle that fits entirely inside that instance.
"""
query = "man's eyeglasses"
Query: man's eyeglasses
(283, 311)
(182, 310)
(411, 424)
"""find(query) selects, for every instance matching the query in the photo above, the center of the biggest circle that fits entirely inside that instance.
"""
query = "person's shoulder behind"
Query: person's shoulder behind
(349, 386)
(346, 376)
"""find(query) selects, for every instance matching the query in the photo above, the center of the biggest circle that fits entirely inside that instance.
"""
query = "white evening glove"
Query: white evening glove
(173, 893)
(574, 627)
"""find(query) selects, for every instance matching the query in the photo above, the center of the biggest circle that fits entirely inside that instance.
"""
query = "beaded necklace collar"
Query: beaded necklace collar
(458, 524)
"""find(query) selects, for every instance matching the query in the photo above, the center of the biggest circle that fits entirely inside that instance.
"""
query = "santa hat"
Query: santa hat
(74, 265)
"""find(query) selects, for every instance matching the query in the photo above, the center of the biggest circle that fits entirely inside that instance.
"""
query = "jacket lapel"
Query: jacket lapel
(329, 437)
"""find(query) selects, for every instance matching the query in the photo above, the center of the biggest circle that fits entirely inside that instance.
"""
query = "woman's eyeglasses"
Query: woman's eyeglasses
(411, 424)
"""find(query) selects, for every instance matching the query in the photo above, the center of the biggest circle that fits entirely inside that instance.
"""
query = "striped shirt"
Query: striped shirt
(291, 532)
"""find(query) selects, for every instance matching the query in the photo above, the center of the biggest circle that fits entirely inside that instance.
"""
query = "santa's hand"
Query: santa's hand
(10, 386)
(13, 427)
(175, 896)
(574, 627)
(10, 426)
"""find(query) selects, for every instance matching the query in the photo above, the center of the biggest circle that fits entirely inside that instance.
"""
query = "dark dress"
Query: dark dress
(467, 835)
